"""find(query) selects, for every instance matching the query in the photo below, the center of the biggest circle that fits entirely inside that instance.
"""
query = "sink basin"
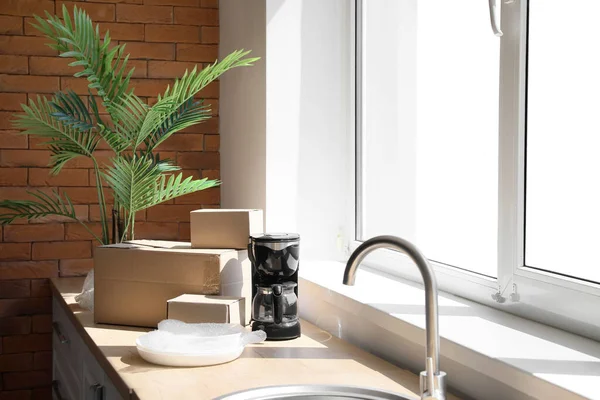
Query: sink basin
(314, 392)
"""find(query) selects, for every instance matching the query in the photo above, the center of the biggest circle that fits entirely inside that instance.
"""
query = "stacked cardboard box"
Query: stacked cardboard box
(134, 280)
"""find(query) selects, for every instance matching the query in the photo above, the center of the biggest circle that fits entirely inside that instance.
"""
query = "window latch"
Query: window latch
(495, 16)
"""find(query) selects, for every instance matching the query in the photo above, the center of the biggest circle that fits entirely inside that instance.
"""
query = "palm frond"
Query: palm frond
(71, 111)
(176, 186)
(66, 142)
(182, 91)
(188, 114)
(44, 206)
(104, 67)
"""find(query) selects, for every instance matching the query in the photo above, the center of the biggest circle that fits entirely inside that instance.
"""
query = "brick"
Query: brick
(6, 120)
(12, 101)
(24, 158)
(184, 231)
(12, 140)
(157, 230)
(144, 14)
(209, 34)
(42, 323)
(197, 52)
(78, 85)
(194, 173)
(97, 12)
(29, 29)
(183, 3)
(17, 395)
(172, 33)
(40, 288)
(95, 214)
(26, 46)
(169, 69)
(34, 233)
(16, 362)
(15, 288)
(76, 231)
(150, 87)
(209, 3)
(26, 380)
(66, 177)
(123, 31)
(170, 213)
(15, 251)
(28, 269)
(17, 193)
(26, 8)
(211, 142)
(81, 212)
(61, 250)
(187, 141)
(211, 91)
(10, 64)
(203, 160)
(17, 307)
(13, 177)
(207, 196)
(11, 25)
(15, 325)
(151, 51)
(42, 359)
(211, 174)
(214, 106)
(86, 195)
(196, 16)
(52, 66)
(76, 267)
(29, 83)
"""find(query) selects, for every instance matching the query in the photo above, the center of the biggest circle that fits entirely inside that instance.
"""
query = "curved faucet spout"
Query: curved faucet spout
(432, 380)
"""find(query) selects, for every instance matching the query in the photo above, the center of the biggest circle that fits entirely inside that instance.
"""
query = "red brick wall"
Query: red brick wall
(164, 38)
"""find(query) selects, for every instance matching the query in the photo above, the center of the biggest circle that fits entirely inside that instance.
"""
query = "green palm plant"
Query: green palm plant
(133, 130)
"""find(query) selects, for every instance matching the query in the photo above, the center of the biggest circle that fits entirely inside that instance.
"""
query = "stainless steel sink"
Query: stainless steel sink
(314, 392)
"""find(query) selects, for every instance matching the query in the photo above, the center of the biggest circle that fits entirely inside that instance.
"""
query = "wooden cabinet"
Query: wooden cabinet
(76, 371)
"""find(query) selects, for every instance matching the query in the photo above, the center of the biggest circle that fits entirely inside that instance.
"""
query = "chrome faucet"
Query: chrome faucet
(432, 380)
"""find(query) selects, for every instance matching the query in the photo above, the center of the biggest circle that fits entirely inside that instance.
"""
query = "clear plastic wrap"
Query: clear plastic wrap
(86, 298)
(177, 343)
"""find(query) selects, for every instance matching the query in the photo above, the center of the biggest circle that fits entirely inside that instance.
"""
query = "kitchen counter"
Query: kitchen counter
(316, 357)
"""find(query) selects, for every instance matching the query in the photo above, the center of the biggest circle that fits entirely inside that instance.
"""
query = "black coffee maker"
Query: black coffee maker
(275, 260)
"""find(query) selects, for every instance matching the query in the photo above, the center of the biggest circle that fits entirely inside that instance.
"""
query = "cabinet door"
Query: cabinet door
(110, 391)
(93, 378)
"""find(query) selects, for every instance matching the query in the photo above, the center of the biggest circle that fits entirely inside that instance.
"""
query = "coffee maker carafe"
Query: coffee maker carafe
(275, 261)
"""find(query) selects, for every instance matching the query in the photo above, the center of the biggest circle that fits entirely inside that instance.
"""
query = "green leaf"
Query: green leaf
(183, 90)
(43, 206)
(81, 40)
(66, 142)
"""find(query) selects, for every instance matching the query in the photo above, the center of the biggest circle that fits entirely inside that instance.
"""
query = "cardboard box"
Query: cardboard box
(224, 229)
(196, 308)
(134, 280)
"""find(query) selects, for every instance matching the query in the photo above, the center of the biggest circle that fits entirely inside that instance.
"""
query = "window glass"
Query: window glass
(430, 156)
(563, 138)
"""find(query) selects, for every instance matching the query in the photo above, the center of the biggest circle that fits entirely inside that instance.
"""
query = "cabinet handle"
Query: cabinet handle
(63, 339)
(98, 390)
(56, 390)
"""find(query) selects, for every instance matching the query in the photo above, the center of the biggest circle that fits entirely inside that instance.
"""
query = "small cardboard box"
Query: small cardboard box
(224, 229)
(196, 308)
(134, 280)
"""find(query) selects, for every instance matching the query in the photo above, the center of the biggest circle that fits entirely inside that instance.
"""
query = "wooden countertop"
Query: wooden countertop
(316, 357)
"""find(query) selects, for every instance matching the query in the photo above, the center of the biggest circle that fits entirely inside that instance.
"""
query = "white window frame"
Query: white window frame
(563, 302)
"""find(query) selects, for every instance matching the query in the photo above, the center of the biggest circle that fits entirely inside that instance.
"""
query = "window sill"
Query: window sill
(487, 353)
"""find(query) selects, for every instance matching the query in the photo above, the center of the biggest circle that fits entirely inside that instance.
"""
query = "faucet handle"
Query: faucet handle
(433, 386)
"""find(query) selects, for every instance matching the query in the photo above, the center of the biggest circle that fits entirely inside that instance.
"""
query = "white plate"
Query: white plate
(194, 360)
